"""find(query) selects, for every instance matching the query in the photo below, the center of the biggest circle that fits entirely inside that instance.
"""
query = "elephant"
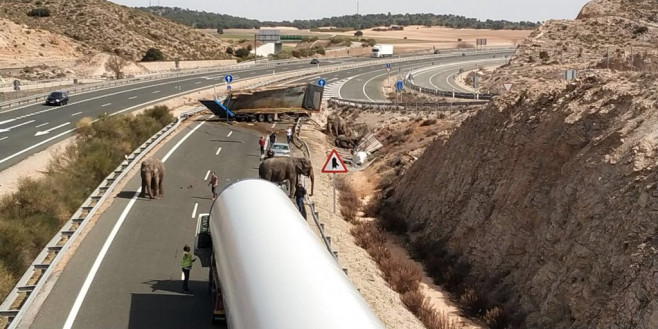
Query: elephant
(152, 172)
(337, 126)
(346, 142)
(279, 169)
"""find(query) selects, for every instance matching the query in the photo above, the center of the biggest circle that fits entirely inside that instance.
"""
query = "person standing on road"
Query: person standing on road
(261, 143)
(213, 184)
(300, 192)
(289, 134)
(186, 264)
(272, 138)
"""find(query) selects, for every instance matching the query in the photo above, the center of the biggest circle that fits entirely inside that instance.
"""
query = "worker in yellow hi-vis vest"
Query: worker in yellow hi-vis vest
(186, 264)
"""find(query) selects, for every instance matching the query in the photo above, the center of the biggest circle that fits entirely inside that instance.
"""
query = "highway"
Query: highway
(138, 282)
(441, 77)
(126, 272)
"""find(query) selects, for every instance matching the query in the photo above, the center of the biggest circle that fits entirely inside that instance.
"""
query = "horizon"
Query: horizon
(509, 10)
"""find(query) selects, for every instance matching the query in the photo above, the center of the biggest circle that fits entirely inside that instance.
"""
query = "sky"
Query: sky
(279, 10)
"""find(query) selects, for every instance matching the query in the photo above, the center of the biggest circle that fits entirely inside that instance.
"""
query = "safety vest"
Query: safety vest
(186, 262)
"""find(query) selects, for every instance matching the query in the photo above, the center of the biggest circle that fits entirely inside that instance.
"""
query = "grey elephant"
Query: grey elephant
(152, 172)
(336, 126)
(280, 169)
(346, 142)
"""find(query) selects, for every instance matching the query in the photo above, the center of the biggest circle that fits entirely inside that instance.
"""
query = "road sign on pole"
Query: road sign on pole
(228, 87)
(334, 165)
(399, 85)
(228, 78)
(507, 85)
(322, 82)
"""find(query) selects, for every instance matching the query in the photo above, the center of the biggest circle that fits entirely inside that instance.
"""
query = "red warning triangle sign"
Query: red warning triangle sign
(507, 85)
(334, 164)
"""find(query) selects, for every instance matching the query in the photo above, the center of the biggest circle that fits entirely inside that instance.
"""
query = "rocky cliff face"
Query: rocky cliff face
(551, 193)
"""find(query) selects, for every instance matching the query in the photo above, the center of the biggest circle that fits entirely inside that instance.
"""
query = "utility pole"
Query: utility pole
(255, 51)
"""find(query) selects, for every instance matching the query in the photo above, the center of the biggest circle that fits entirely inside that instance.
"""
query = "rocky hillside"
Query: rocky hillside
(102, 26)
(547, 201)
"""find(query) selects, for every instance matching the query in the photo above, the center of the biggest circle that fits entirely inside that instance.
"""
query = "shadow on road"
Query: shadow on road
(164, 310)
(126, 194)
(226, 141)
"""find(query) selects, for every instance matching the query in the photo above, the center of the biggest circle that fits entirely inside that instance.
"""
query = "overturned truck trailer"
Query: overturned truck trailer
(268, 104)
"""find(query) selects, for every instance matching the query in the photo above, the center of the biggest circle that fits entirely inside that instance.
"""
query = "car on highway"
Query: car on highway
(280, 149)
(58, 98)
(315, 61)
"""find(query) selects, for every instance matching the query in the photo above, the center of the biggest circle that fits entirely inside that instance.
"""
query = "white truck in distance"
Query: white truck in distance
(382, 51)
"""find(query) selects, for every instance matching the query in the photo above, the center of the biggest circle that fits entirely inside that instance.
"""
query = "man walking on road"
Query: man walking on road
(186, 264)
(300, 192)
(289, 134)
(272, 138)
(213, 184)
(261, 143)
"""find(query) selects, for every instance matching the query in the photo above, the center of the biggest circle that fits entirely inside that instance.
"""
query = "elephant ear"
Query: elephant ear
(299, 166)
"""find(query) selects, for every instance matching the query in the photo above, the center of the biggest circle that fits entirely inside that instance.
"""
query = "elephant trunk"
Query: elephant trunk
(148, 180)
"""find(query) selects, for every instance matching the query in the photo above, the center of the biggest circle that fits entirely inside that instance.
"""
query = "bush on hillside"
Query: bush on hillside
(152, 55)
(39, 12)
(242, 52)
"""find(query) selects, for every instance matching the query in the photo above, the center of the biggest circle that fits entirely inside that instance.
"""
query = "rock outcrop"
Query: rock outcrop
(550, 194)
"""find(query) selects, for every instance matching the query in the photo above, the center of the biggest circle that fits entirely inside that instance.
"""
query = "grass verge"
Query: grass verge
(32, 215)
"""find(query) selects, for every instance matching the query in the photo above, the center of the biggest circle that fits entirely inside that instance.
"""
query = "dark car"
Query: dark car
(315, 61)
(58, 98)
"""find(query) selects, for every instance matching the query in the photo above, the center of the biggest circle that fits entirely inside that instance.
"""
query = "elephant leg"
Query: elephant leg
(293, 185)
(161, 186)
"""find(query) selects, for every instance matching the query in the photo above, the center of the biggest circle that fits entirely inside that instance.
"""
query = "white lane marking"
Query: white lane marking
(39, 133)
(218, 150)
(3, 138)
(196, 206)
(274, 125)
(330, 80)
(229, 134)
(132, 97)
(108, 104)
(198, 82)
(106, 246)
(364, 87)
(118, 112)
(97, 263)
(43, 124)
(15, 126)
(76, 113)
(155, 92)
(207, 174)
(7, 121)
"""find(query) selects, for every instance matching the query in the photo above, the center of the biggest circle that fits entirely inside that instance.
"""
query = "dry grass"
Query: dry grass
(348, 200)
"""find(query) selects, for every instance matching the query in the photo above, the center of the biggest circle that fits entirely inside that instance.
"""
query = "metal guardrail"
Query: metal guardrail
(316, 218)
(447, 106)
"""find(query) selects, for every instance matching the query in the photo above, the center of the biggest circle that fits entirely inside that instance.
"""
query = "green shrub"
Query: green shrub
(242, 52)
(39, 12)
(152, 55)
(229, 50)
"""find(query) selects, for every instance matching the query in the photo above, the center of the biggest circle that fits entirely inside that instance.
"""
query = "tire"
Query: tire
(270, 117)
(260, 117)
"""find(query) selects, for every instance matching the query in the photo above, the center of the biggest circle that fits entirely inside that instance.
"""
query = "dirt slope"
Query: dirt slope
(550, 195)
(102, 26)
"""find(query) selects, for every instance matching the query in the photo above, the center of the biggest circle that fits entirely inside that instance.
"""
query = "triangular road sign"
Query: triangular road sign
(334, 164)
(507, 86)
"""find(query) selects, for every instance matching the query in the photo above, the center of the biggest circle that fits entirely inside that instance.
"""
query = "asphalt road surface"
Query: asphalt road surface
(138, 282)
(441, 77)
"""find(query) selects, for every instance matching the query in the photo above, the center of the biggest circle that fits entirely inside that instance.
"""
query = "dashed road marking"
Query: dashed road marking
(196, 206)
(43, 124)
(155, 92)
(108, 104)
(218, 150)
(132, 97)
(3, 138)
(207, 174)
(76, 113)
(229, 134)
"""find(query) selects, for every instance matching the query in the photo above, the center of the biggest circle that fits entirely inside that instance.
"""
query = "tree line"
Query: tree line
(205, 20)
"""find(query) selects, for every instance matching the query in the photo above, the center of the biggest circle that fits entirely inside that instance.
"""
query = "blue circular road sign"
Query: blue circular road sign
(322, 82)
(228, 78)
(399, 85)
(388, 65)
(228, 87)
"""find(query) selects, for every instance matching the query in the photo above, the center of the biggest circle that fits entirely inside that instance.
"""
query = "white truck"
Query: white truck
(382, 51)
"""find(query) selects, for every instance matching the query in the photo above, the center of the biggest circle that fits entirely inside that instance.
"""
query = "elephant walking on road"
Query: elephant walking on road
(152, 172)
(280, 169)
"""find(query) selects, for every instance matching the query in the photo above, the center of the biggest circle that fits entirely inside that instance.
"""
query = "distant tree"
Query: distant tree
(152, 55)
(220, 30)
(358, 34)
(229, 51)
(371, 42)
(242, 52)
(250, 47)
(116, 64)
(39, 12)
